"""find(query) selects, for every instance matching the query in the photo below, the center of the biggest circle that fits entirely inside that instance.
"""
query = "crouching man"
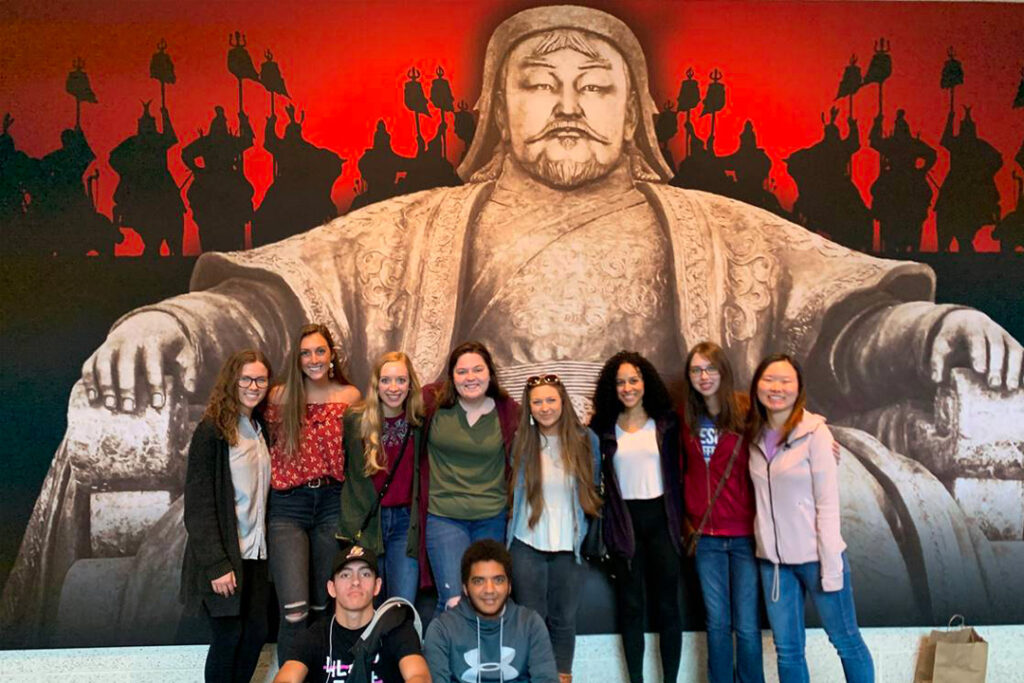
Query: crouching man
(488, 637)
(356, 643)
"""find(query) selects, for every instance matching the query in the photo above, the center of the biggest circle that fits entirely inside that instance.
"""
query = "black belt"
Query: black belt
(320, 482)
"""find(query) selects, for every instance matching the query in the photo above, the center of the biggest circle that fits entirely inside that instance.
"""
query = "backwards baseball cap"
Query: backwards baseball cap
(352, 554)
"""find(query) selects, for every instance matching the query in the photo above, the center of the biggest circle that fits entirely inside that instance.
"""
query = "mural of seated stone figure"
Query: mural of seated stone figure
(565, 245)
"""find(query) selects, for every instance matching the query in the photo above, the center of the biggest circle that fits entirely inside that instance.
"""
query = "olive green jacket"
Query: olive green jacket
(359, 494)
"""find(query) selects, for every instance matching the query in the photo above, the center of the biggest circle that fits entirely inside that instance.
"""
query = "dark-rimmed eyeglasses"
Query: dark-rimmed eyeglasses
(710, 371)
(537, 380)
(246, 382)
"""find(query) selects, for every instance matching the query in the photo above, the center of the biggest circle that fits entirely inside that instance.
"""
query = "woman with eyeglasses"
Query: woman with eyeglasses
(224, 572)
(801, 550)
(556, 465)
(307, 458)
(639, 436)
(720, 511)
(471, 421)
(383, 434)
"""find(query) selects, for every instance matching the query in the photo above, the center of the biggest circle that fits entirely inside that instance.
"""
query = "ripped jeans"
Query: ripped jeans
(301, 523)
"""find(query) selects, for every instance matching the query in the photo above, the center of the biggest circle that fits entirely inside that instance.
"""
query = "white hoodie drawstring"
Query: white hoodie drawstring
(480, 649)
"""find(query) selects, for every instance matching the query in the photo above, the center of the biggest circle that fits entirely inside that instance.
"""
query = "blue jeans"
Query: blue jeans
(447, 539)
(550, 583)
(300, 548)
(728, 581)
(399, 572)
(837, 614)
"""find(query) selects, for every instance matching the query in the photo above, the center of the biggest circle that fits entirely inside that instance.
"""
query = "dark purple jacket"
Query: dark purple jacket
(618, 527)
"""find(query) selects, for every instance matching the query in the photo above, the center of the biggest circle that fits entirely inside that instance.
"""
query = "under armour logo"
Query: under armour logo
(478, 671)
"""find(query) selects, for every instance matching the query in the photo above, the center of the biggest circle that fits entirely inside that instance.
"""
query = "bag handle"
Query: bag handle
(721, 485)
(963, 621)
(384, 489)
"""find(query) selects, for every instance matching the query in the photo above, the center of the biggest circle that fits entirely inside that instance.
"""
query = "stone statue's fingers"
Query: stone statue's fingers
(941, 350)
(104, 376)
(188, 374)
(126, 376)
(996, 357)
(89, 378)
(977, 351)
(1014, 361)
(153, 368)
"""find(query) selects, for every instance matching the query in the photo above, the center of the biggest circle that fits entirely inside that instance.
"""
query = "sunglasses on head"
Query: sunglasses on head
(537, 380)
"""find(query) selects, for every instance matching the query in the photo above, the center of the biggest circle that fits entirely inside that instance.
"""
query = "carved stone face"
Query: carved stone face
(566, 114)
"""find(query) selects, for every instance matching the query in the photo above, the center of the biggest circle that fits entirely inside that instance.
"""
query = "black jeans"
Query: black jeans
(654, 567)
(550, 584)
(237, 641)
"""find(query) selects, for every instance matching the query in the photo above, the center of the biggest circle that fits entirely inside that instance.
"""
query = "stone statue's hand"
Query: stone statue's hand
(134, 359)
(969, 338)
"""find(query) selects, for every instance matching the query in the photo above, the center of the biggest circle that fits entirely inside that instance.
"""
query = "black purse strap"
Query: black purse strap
(384, 489)
(721, 485)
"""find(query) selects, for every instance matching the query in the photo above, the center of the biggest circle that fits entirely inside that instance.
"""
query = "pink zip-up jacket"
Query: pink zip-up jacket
(797, 497)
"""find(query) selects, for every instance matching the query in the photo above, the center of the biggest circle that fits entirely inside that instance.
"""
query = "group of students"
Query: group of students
(414, 477)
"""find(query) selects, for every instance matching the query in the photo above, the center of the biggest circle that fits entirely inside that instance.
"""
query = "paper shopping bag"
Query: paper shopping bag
(954, 655)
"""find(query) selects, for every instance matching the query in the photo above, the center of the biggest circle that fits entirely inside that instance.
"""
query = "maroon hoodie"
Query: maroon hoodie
(733, 514)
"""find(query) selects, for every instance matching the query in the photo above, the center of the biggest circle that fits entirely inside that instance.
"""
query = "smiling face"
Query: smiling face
(546, 408)
(629, 386)
(488, 587)
(315, 357)
(354, 586)
(471, 377)
(252, 386)
(393, 387)
(704, 376)
(778, 388)
(566, 113)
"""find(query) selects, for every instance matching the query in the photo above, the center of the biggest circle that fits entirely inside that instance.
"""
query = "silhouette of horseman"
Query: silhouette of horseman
(300, 196)
(968, 198)
(901, 194)
(828, 201)
(220, 195)
(147, 199)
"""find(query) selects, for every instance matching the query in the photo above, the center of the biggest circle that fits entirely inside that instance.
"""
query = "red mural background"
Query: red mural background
(345, 64)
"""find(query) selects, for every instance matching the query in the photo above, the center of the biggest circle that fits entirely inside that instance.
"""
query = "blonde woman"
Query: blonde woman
(382, 437)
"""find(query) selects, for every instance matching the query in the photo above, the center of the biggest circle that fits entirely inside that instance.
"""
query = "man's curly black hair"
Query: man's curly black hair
(656, 400)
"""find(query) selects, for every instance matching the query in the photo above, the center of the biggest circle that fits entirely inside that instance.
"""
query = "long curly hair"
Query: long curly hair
(293, 387)
(577, 458)
(656, 400)
(224, 407)
(732, 405)
(373, 411)
(757, 416)
(447, 396)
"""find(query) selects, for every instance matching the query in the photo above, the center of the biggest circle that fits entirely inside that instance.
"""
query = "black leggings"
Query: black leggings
(237, 641)
(655, 566)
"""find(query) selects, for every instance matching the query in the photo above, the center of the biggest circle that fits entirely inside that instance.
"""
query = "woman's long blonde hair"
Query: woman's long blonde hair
(577, 457)
(293, 387)
(373, 412)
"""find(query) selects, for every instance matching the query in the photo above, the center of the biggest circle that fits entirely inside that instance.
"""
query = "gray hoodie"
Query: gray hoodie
(463, 647)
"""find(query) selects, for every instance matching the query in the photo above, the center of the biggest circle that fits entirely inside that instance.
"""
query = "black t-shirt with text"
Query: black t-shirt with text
(328, 658)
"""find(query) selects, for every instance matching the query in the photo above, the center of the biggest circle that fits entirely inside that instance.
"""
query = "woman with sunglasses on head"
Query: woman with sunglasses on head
(556, 467)
(801, 549)
(224, 573)
(383, 434)
(471, 421)
(720, 510)
(304, 416)
(639, 436)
